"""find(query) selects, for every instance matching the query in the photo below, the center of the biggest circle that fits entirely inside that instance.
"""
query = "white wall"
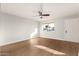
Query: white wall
(72, 27)
(0, 6)
(69, 24)
(59, 30)
(14, 28)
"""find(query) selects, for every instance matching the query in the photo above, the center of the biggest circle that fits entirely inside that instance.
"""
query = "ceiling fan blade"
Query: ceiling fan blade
(45, 14)
(40, 13)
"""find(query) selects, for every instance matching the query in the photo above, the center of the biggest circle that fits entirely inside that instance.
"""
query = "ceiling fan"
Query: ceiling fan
(40, 12)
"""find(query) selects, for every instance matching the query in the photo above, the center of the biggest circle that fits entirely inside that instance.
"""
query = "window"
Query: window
(49, 27)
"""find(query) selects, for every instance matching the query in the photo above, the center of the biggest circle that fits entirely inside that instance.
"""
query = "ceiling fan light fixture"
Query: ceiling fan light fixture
(41, 17)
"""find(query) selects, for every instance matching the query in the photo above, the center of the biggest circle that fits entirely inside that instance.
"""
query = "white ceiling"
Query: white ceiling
(30, 10)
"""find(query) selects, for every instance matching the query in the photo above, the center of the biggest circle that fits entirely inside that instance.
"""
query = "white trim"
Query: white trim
(12, 42)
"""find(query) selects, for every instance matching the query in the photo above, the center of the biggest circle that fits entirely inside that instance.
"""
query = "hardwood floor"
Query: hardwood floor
(40, 47)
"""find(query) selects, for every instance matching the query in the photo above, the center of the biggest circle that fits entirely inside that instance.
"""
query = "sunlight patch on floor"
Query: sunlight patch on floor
(49, 50)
